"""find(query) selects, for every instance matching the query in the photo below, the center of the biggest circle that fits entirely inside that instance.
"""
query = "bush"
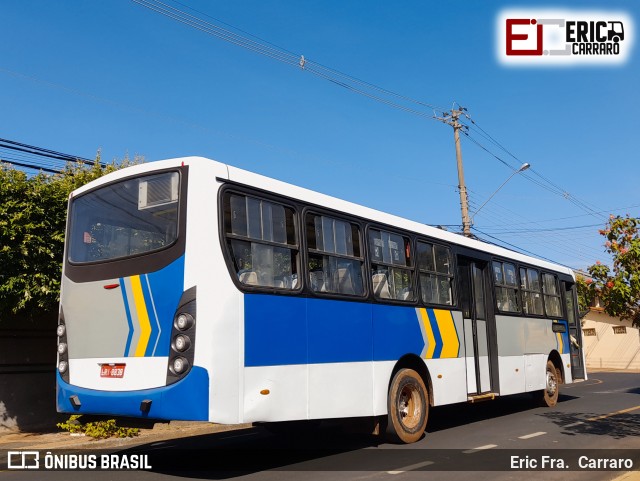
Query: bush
(32, 227)
(97, 429)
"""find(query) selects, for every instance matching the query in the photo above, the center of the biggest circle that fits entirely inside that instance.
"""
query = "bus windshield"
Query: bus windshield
(127, 218)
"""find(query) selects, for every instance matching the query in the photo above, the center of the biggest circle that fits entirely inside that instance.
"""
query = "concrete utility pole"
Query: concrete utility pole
(452, 120)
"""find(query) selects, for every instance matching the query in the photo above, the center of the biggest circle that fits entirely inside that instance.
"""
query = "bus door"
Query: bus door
(575, 330)
(479, 326)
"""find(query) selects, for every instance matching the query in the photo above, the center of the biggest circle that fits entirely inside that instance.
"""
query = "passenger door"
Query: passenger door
(479, 325)
(575, 330)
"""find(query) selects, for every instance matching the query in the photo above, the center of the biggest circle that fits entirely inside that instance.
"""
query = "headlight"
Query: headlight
(61, 330)
(184, 321)
(62, 367)
(62, 348)
(180, 364)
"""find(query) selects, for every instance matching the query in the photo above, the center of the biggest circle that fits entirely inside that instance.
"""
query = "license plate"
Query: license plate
(112, 370)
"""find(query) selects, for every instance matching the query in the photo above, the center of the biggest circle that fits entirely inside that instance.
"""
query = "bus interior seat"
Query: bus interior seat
(381, 286)
(342, 281)
(316, 280)
(405, 294)
(249, 278)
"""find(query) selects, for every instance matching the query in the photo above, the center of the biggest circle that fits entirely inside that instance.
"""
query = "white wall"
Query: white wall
(607, 349)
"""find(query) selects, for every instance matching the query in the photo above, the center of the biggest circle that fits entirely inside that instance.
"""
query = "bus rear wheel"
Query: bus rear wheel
(549, 395)
(408, 407)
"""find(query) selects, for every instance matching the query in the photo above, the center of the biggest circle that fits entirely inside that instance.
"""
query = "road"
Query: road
(598, 418)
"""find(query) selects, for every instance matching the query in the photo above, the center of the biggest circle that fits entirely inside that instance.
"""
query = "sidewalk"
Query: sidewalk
(159, 432)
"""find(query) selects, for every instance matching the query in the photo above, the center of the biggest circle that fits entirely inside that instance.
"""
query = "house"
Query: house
(609, 343)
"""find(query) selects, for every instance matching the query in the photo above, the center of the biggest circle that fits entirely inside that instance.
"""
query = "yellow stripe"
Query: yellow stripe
(143, 317)
(431, 340)
(450, 343)
(560, 343)
(622, 411)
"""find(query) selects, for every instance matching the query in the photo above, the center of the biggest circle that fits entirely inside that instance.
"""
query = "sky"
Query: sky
(78, 76)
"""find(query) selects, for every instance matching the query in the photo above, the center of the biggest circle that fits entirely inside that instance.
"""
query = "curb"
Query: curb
(159, 432)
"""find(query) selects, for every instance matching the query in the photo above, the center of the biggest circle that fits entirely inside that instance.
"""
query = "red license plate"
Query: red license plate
(112, 370)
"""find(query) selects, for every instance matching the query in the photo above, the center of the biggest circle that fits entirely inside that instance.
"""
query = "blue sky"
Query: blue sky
(76, 76)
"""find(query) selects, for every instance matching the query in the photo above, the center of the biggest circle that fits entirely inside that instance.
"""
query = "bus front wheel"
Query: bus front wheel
(408, 407)
(549, 395)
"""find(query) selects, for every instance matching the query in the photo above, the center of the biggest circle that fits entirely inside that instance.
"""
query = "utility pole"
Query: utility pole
(452, 119)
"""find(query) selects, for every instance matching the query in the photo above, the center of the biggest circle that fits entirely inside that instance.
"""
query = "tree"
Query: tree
(32, 226)
(619, 288)
(586, 295)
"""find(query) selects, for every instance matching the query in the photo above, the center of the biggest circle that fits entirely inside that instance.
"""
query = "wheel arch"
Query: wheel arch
(415, 362)
(554, 357)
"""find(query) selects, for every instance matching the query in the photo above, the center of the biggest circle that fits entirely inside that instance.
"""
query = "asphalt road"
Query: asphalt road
(598, 418)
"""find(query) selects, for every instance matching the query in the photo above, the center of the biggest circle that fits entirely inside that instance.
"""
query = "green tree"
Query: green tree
(32, 225)
(619, 287)
(586, 295)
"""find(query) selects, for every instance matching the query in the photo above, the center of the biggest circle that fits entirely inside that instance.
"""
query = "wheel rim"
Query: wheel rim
(409, 406)
(552, 383)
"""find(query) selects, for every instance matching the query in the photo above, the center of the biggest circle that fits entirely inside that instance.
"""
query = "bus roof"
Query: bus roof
(240, 176)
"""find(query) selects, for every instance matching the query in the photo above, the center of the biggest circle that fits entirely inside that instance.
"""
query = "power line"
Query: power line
(340, 79)
(28, 166)
(556, 241)
(271, 50)
(519, 249)
(550, 229)
(38, 158)
(607, 211)
(308, 63)
(559, 190)
(547, 185)
(17, 146)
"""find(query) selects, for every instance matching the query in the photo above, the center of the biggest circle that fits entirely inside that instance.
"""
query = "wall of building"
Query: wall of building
(606, 346)
(27, 376)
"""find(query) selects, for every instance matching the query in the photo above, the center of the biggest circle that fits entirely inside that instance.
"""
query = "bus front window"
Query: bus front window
(127, 218)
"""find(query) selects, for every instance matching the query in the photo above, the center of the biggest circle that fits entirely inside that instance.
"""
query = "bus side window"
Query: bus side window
(530, 288)
(551, 296)
(335, 259)
(506, 285)
(391, 265)
(261, 237)
(436, 274)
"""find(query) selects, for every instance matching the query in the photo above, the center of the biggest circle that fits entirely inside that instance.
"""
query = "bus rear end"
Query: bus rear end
(126, 333)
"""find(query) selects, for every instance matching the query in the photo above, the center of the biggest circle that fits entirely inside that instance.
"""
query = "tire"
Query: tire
(549, 395)
(408, 407)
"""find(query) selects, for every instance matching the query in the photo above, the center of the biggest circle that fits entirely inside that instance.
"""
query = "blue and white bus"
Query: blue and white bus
(194, 290)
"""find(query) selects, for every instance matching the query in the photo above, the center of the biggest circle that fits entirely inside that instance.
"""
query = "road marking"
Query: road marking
(411, 467)
(622, 411)
(573, 425)
(480, 448)
(532, 435)
(604, 416)
(571, 386)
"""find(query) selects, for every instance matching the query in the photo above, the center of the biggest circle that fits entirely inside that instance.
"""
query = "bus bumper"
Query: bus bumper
(187, 399)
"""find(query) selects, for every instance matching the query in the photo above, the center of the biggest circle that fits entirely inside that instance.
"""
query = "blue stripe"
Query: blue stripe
(166, 286)
(565, 339)
(128, 312)
(436, 334)
(285, 330)
(153, 321)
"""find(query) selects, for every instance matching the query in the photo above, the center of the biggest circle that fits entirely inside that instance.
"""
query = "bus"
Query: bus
(194, 290)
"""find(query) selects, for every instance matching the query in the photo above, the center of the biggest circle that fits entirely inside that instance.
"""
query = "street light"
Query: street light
(522, 168)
